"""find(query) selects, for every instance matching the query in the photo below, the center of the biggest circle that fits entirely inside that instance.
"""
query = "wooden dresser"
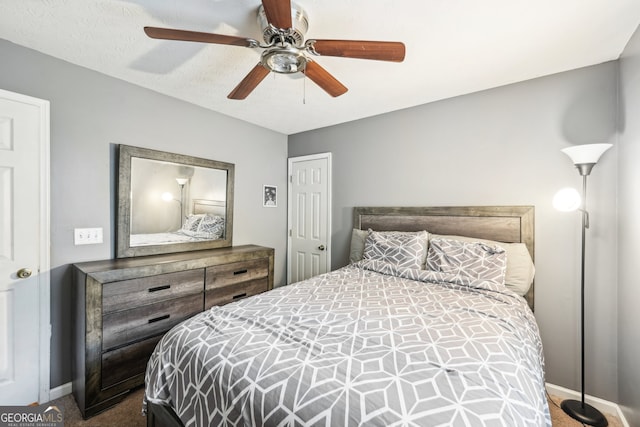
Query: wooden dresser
(122, 307)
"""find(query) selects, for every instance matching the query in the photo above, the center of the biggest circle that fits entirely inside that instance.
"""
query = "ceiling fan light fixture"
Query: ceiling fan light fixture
(284, 61)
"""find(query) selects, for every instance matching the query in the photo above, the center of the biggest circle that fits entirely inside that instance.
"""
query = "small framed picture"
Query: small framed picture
(270, 196)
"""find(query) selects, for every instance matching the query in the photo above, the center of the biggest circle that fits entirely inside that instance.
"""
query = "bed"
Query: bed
(206, 222)
(401, 336)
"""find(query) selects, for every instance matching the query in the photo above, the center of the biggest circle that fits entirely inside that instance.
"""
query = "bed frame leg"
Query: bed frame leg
(161, 416)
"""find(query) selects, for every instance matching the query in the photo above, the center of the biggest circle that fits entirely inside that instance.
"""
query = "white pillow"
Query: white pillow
(357, 244)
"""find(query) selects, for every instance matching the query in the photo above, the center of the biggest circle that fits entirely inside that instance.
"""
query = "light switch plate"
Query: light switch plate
(87, 236)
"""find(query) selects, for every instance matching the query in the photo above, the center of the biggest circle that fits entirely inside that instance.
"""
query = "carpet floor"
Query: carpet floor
(128, 413)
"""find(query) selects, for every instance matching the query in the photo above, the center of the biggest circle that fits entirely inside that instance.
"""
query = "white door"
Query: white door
(309, 248)
(24, 262)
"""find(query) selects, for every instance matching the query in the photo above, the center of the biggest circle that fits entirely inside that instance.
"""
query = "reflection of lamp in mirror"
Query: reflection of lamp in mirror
(181, 182)
(584, 158)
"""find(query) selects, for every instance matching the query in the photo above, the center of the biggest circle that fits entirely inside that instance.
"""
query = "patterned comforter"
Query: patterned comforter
(369, 344)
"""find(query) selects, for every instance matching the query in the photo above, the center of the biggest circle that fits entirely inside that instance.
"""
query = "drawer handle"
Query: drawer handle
(240, 272)
(240, 296)
(159, 318)
(159, 288)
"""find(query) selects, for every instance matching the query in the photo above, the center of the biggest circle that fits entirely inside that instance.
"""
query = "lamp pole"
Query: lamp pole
(585, 225)
(580, 410)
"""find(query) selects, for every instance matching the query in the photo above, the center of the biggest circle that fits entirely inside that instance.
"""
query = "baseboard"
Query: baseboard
(600, 404)
(60, 391)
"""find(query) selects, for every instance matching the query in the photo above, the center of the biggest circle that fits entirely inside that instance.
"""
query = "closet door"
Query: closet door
(309, 248)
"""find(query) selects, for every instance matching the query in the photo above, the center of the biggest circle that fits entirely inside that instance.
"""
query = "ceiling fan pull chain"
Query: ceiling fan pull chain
(304, 89)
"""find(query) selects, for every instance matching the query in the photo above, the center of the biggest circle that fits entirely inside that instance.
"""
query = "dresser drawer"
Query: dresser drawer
(220, 296)
(123, 327)
(127, 294)
(221, 276)
(126, 362)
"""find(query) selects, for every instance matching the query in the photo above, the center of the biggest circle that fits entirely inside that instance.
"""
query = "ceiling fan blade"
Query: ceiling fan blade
(360, 49)
(322, 78)
(249, 83)
(195, 36)
(278, 13)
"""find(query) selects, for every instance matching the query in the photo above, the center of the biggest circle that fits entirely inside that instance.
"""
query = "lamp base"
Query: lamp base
(584, 413)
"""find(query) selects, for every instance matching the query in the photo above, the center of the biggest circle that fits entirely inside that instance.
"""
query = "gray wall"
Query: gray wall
(90, 113)
(494, 147)
(629, 232)
(502, 146)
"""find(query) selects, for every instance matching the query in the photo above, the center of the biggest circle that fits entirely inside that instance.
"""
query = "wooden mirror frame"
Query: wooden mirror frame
(123, 230)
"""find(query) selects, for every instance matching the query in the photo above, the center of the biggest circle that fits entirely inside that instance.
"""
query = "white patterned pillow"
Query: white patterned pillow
(192, 222)
(520, 267)
(211, 227)
(204, 226)
(476, 260)
(403, 249)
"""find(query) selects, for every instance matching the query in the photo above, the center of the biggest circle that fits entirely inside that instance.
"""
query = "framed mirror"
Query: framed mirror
(172, 203)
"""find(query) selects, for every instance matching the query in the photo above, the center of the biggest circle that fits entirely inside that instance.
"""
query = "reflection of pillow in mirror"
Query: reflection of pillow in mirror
(192, 222)
(211, 227)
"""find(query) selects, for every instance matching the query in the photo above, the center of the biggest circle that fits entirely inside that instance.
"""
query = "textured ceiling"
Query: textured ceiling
(453, 47)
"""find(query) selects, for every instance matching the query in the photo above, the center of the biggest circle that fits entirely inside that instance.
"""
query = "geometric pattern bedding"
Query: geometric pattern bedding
(205, 226)
(400, 248)
(370, 344)
(476, 260)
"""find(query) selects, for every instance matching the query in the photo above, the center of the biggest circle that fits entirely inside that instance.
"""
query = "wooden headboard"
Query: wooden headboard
(509, 224)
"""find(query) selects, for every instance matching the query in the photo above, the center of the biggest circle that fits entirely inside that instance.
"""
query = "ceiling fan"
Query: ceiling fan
(283, 27)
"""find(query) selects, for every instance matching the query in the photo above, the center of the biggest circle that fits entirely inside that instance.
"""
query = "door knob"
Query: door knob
(23, 273)
(321, 247)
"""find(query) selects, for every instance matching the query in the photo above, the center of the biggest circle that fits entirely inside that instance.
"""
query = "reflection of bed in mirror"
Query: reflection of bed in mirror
(206, 222)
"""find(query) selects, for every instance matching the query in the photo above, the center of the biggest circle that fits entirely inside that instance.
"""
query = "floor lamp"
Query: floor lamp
(584, 157)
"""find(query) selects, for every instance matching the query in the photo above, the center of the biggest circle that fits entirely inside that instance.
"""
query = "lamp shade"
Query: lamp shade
(586, 154)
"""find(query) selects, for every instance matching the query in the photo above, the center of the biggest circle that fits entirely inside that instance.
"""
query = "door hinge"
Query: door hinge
(290, 233)
(290, 178)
